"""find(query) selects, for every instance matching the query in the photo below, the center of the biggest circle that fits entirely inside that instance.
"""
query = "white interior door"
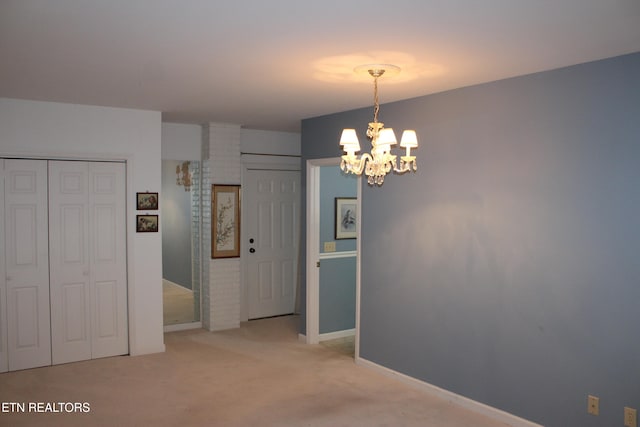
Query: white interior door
(27, 263)
(272, 200)
(88, 266)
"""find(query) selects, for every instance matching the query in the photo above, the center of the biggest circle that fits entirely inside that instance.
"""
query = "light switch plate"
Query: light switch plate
(329, 246)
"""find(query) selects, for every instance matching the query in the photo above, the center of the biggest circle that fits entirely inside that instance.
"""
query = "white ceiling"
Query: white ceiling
(268, 64)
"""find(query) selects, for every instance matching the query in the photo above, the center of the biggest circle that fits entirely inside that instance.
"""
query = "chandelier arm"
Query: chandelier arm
(406, 164)
(355, 165)
(364, 159)
(401, 169)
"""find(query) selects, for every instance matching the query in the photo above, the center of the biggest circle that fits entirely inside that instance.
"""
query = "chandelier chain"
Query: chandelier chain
(376, 103)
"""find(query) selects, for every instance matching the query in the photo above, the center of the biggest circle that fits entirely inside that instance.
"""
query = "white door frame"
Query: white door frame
(313, 251)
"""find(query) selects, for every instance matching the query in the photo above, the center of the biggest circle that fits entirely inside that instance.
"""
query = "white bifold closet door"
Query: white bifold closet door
(87, 252)
(24, 268)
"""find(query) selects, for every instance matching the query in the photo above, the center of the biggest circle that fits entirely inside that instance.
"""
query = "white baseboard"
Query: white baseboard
(183, 327)
(302, 337)
(337, 334)
(465, 402)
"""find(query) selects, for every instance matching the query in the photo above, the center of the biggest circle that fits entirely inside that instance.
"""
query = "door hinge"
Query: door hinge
(317, 263)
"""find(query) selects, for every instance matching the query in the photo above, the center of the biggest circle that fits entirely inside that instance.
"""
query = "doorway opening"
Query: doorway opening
(333, 264)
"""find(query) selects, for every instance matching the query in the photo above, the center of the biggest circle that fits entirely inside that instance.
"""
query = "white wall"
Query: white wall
(181, 141)
(45, 129)
(184, 142)
(269, 142)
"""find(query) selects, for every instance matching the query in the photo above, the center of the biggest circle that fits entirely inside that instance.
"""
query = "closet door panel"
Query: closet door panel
(108, 259)
(74, 309)
(106, 310)
(26, 263)
(69, 261)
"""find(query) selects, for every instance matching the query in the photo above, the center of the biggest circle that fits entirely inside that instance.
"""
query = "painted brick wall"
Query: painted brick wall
(225, 293)
(196, 208)
(224, 152)
(224, 274)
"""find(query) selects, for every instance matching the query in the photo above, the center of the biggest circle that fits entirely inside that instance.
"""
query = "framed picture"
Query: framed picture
(147, 201)
(225, 239)
(147, 223)
(346, 217)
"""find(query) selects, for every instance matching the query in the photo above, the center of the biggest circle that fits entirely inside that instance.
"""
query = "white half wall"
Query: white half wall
(70, 131)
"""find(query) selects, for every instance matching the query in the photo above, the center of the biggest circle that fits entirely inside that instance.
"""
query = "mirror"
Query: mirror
(179, 210)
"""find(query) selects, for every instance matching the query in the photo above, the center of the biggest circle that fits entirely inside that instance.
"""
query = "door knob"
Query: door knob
(252, 250)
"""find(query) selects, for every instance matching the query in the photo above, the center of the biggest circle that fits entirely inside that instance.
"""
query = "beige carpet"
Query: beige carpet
(258, 375)
(177, 303)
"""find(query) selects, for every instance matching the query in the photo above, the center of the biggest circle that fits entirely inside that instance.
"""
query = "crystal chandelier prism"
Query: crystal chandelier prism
(377, 164)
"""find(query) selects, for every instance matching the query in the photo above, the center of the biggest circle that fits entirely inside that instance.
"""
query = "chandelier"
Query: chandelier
(380, 162)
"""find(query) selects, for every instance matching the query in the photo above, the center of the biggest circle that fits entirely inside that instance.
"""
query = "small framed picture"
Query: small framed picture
(147, 201)
(147, 223)
(225, 230)
(346, 218)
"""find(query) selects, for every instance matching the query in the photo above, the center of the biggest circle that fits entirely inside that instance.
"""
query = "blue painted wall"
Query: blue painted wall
(509, 272)
(175, 205)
